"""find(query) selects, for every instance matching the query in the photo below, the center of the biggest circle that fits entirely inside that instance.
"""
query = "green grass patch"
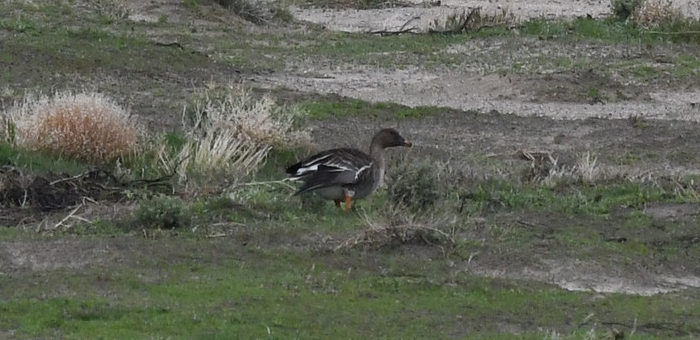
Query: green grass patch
(19, 24)
(598, 199)
(686, 65)
(39, 162)
(347, 107)
(287, 295)
(644, 72)
(48, 36)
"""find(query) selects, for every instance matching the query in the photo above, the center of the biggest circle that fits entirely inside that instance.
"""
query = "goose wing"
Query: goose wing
(330, 168)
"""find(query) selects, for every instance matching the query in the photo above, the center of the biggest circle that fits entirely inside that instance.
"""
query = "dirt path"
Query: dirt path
(506, 94)
(422, 15)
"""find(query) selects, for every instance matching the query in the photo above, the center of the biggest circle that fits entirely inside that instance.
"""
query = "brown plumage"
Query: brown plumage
(345, 174)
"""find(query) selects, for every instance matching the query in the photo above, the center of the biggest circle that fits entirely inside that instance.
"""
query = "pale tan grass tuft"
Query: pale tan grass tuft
(260, 120)
(475, 20)
(586, 168)
(229, 138)
(545, 168)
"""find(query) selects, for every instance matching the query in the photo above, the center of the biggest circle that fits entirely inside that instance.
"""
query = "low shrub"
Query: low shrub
(163, 212)
(414, 185)
(623, 9)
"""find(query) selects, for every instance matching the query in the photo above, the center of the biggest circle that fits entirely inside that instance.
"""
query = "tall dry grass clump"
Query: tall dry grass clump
(87, 126)
(259, 120)
(653, 13)
(546, 169)
(229, 137)
(474, 20)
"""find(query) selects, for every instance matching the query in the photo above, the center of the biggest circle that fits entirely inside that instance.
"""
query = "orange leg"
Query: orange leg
(348, 202)
(337, 203)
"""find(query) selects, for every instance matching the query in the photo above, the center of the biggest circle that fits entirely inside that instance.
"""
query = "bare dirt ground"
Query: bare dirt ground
(423, 14)
(478, 85)
(519, 95)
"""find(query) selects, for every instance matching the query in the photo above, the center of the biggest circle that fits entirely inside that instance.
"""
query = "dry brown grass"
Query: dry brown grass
(399, 227)
(87, 126)
(545, 168)
(653, 13)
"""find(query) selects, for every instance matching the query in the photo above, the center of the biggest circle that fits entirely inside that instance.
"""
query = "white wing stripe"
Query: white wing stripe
(302, 171)
(364, 168)
(340, 166)
(314, 168)
(316, 160)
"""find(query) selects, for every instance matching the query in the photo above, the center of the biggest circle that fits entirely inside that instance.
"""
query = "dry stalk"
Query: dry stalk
(406, 231)
(70, 214)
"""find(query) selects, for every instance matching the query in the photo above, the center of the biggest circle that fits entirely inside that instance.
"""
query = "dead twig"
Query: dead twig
(460, 23)
(67, 216)
(411, 30)
(528, 224)
(170, 44)
(401, 30)
(677, 328)
(69, 178)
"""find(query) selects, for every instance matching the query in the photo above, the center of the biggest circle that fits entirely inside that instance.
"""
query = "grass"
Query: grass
(331, 107)
(46, 35)
(39, 161)
(86, 49)
(113, 46)
(391, 52)
(256, 262)
(271, 275)
(285, 295)
(601, 199)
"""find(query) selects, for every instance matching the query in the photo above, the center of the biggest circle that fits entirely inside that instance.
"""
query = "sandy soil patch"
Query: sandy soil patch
(576, 275)
(421, 16)
(468, 91)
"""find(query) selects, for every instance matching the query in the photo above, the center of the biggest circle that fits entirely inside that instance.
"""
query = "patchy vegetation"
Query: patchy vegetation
(192, 226)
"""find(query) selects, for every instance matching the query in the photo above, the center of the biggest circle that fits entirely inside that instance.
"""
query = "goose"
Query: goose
(345, 174)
